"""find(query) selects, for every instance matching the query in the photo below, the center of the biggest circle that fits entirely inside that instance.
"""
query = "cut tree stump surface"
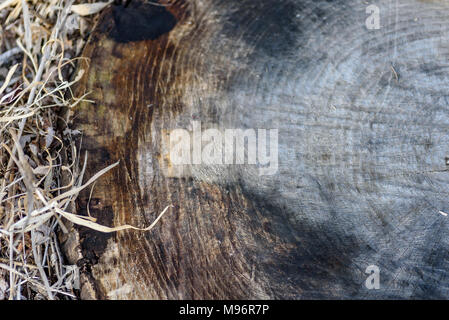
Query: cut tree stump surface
(363, 137)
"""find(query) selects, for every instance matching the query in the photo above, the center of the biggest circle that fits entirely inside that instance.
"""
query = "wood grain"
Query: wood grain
(363, 136)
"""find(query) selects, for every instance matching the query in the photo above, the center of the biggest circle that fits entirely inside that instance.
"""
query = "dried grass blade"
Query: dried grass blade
(87, 9)
(80, 220)
(8, 77)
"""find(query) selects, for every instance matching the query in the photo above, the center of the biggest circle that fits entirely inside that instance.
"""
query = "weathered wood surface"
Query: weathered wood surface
(363, 122)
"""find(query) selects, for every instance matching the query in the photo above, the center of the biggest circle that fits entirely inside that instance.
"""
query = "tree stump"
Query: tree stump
(362, 118)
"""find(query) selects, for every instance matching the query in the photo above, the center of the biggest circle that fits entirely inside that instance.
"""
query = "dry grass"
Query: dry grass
(40, 42)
